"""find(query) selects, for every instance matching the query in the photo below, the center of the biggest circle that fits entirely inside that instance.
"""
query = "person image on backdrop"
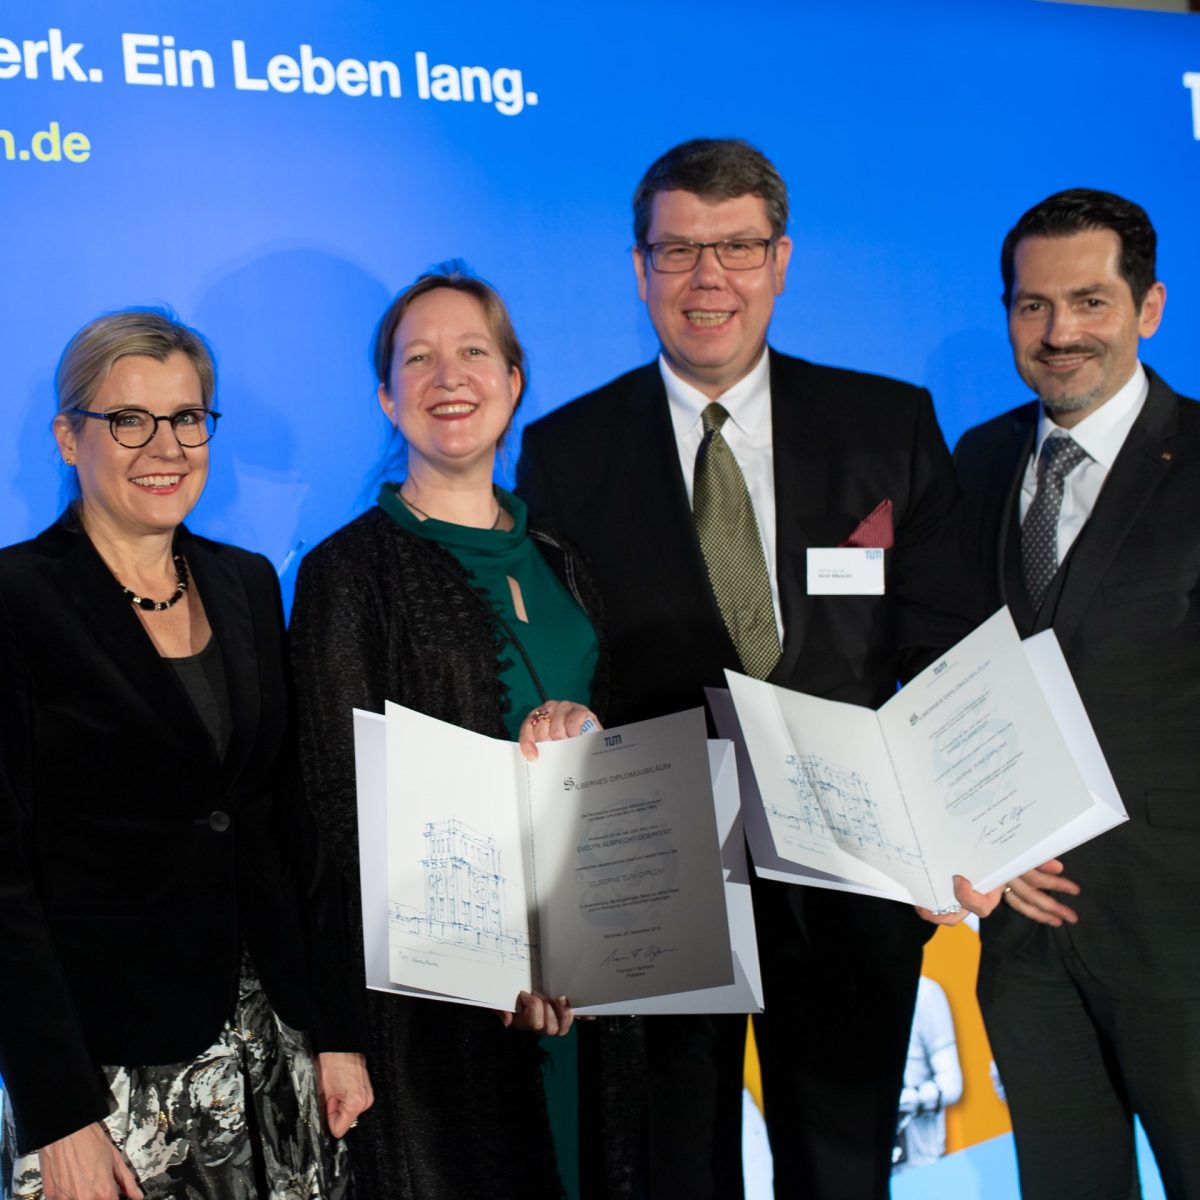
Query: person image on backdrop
(167, 928)
(445, 599)
(695, 485)
(1084, 509)
(933, 1080)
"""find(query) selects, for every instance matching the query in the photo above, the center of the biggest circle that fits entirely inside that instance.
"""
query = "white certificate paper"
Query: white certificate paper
(593, 873)
(984, 765)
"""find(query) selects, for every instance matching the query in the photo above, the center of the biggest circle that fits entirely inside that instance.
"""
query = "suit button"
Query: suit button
(218, 821)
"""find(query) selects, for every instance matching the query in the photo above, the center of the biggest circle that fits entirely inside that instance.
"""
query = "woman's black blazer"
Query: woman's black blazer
(134, 865)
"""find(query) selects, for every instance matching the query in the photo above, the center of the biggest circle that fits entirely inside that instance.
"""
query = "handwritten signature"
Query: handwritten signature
(636, 955)
(1004, 826)
(403, 956)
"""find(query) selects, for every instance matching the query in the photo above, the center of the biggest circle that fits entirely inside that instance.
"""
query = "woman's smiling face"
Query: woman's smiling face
(450, 392)
(151, 489)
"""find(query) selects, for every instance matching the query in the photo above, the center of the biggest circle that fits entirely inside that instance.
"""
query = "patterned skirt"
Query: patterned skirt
(240, 1121)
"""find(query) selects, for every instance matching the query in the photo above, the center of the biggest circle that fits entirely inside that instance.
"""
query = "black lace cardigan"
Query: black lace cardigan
(381, 614)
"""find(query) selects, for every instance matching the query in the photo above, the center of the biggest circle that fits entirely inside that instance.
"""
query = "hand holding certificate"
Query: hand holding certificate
(984, 765)
(593, 872)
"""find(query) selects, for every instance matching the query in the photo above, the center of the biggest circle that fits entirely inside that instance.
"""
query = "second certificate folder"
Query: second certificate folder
(593, 873)
(984, 765)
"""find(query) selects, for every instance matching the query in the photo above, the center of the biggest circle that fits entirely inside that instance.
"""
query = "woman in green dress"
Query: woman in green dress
(443, 599)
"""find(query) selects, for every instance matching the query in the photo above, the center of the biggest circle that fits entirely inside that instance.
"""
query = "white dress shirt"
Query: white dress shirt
(748, 435)
(1101, 434)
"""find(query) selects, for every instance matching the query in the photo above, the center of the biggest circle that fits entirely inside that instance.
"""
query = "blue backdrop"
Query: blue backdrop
(281, 221)
(278, 205)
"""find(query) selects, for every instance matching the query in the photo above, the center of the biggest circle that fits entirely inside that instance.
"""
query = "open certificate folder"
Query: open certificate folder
(745, 993)
(593, 873)
(984, 765)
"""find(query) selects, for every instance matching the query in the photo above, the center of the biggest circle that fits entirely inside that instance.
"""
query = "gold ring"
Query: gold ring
(1006, 891)
(539, 714)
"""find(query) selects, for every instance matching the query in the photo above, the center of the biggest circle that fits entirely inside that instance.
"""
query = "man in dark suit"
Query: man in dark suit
(1093, 1006)
(794, 457)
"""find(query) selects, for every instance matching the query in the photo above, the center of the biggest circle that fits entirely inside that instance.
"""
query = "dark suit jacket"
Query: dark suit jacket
(1125, 606)
(605, 471)
(135, 863)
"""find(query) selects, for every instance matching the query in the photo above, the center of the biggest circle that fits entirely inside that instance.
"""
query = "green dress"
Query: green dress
(555, 633)
(561, 647)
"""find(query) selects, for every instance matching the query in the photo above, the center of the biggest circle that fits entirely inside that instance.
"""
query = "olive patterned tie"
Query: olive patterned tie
(732, 547)
(1039, 531)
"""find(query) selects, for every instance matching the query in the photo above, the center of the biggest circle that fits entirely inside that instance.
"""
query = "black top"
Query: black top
(203, 678)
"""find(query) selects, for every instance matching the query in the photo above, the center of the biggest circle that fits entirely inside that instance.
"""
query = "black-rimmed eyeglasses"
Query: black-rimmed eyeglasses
(734, 254)
(135, 427)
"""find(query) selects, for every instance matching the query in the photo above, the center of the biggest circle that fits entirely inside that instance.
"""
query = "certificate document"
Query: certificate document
(745, 994)
(984, 765)
(594, 872)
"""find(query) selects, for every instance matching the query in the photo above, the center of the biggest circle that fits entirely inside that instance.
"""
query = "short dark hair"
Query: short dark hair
(458, 277)
(717, 169)
(1078, 210)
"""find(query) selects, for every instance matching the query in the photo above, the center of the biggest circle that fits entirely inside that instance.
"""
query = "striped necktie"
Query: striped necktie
(1039, 531)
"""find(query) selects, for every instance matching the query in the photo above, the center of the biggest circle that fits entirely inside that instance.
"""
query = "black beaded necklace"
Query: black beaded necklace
(143, 602)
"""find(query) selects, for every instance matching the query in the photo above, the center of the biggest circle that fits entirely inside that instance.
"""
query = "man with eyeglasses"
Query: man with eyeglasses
(697, 485)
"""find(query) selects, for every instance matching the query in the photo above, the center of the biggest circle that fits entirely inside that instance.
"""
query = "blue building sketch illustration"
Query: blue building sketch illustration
(464, 894)
(834, 804)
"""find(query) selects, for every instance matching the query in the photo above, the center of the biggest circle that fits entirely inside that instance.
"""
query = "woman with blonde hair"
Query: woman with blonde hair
(167, 926)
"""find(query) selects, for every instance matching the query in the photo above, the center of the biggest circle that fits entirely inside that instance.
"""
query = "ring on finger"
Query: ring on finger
(539, 714)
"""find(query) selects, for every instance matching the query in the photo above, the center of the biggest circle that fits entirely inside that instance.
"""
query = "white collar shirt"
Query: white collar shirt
(1101, 435)
(748, 435)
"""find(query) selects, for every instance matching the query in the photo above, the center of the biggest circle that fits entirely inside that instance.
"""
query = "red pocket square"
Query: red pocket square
(875, 530)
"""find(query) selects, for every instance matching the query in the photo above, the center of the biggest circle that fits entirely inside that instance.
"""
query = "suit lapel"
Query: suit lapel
(1141, 465)
(801, 486)
(116, 631)
(227, 605)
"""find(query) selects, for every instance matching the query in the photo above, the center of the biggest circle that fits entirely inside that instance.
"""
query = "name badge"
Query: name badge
(845, 571)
